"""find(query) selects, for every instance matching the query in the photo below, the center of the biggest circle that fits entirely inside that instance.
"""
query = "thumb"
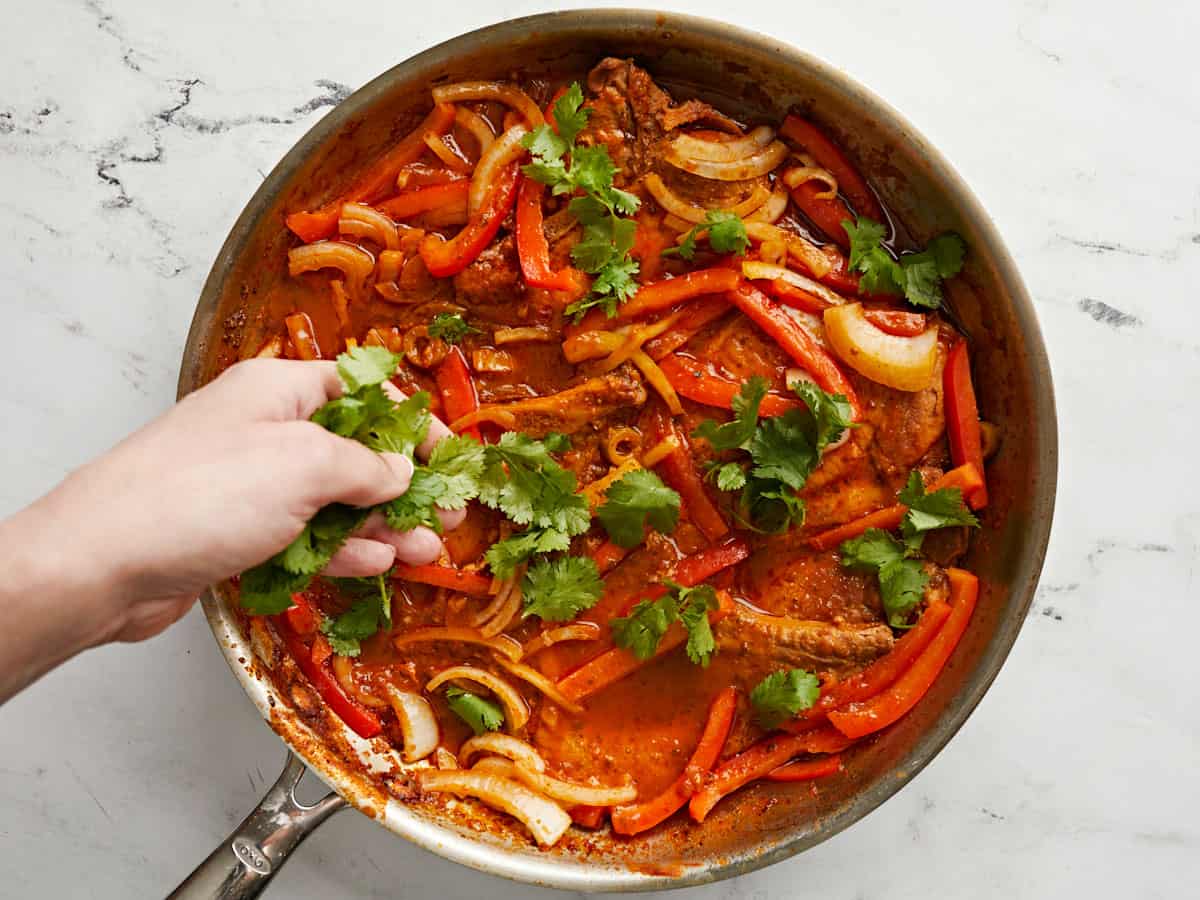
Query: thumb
(344, 471)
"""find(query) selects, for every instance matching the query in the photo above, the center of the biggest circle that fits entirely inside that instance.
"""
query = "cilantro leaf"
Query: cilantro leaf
(770, 506)
(693, 605)
(504, 556)
(521, 480)
(641, 631)
(570, 115)
(450, 327)
(901, 586)
(831, 413)
(918, 276)
(482, 715)
(737, 433)
(726, 234)
(939, 509)
(782, 694)
(783, 449)
(321, 538)
(266, 589)
(639, 498)
(557, 442)
(448, 481)
(871, 550)
(730, 477)
(559, 590)
(363, 366)
(359, 622)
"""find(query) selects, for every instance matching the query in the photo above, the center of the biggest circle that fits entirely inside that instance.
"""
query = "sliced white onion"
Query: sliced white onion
(476, 125)
(351, 259)
(690, 212)
(503, 151)
(443, 151)
(542, 683)
(773, 210)
(521, 335)
(444, 759)
(516, 710)
(797, 175)
(360, 220)
(506, 646)
(272, 349)
(576, 631)
(343, 672)
(507, 94)
(761, 271)
(418, 724)
(545, 819)
(506, 613)
(754, 166)
(569, 793)
(691, 147)
(502, 745)
(807, 254)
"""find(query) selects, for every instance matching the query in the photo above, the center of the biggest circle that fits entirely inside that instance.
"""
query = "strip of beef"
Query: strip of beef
(801, 643)
(577, 407)
(493, 279)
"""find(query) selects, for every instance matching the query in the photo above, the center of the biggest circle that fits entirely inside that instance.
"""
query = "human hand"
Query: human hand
(222, 481)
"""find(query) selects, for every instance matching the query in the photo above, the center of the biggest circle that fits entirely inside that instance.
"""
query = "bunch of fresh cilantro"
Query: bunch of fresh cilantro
(570, 168)
(365, 413)
(726, 234)
(916, 276)
(902, 578)
(783, 451)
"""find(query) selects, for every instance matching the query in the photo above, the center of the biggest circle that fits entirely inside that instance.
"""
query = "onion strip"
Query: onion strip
(516, 710)
(569, 793)
(519, 335)
(808, 254)
(754, 166)
(761, 271)
(544, 818)
(576, 631)
(501, 417)
(507, 94)
(351, 259)
(658, 380)
(505, 646)
(443, 151)
(502, 745)
(444, 759)
(504, 150)
(542, 683)
(507, 611)
(798, 175)
(475, 125)
(341, 666)
(690, 147)
(773, 210)
(660, 451)
(417, 723)
(360, 220)
(591, 345)
(690, 212)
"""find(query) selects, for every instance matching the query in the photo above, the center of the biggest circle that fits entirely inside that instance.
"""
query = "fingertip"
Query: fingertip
(402, 470)
(360, 558)
(417, 547)
(451, 518)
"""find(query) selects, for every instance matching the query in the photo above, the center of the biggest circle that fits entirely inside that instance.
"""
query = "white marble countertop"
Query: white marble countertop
(131, 135)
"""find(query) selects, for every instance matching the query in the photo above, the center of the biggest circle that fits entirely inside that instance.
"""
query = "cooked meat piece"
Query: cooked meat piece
(785, 578)
(907, 424)
(494, 279)
(801, 643)
(570, 410)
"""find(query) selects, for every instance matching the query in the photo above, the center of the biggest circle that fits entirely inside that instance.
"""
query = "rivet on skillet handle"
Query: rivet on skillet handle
(246, 861)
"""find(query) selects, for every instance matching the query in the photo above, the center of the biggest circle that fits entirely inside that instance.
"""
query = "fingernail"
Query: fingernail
(401, 467)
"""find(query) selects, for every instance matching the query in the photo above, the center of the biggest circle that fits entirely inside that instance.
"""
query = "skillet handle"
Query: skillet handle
(244, 863)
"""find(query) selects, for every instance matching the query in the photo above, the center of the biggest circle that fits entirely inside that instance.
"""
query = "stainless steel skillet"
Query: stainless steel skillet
(735, 68)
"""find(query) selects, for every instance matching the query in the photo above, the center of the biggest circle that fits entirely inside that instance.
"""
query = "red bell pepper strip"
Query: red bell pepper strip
(635, 819)
(607, 556)
(879, 675)
(760, 760)
(962, 419)
(533, 251)
(301, 617)
(827, 213)
(469, 583)
(704, 564)
(883, 709)
(304, 338)
(695, 316)
(679, 472)
(699, 383)
(364, 722)
(808, 770)
(424, 199)
(965, 477)
(376, 181)
(801, 346)
(457, 389)
(649, 241)
(790, 295)
(666, 293)
(829, 156)
(896, 321)
(445, 258)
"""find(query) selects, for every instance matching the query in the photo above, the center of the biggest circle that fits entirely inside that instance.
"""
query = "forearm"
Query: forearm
(56, 601)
